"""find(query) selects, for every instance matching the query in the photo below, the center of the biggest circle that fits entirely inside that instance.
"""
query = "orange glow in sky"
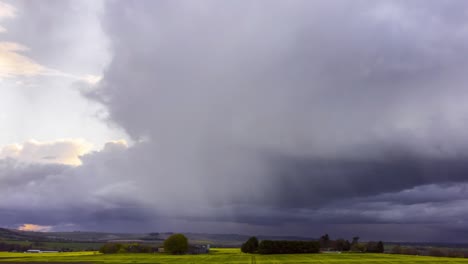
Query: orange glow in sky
(35, 228)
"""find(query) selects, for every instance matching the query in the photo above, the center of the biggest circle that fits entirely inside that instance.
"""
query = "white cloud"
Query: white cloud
(115, 145)
(7, 11)
(60, 151)
(63, 151)
(92, 79)
(13, 63)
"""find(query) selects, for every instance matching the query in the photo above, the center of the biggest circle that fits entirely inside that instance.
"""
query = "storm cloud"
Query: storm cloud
(278, 117)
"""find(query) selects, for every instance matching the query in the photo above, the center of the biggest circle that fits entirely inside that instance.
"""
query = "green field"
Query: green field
(221, 256)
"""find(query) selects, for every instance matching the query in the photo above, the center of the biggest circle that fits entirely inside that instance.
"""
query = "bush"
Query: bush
(375, 247)
(250, 246)
(111, 248)
(176, 244)
(138, 248)
(288, 247)
(342, 245)
(357, 247)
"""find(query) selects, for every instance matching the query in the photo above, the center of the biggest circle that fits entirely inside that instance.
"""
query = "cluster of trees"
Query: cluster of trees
(375, 247)
(112, 248)
(279, 246)
(175, 244)
(288, 247)
(354, 246)
(252, 245)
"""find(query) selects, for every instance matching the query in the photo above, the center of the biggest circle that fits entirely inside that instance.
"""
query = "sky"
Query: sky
(250, 117)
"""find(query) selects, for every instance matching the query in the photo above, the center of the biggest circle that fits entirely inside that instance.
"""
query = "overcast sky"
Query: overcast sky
(252, 117)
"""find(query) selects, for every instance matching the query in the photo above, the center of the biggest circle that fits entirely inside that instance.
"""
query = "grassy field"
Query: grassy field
(221, 256)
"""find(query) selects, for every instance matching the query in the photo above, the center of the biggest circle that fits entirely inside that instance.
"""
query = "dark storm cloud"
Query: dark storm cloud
(314, 182)
(309, 113)
(82, 218)
(359, 98)
(13, 173)
(436, 193)
(282, 117)
(90, 196)
(302, 105)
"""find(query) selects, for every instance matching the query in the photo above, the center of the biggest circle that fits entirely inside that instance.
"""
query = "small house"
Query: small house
(40, 251)
(198, 249)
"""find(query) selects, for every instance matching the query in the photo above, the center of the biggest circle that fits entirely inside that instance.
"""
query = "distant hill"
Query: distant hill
(222, 240)
(84, 240)
(429, 244)
(9, 234)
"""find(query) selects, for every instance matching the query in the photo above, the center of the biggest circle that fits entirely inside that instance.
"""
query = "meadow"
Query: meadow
(219, 256)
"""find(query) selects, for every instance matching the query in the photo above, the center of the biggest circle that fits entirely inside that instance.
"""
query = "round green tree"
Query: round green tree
(250, 246)
(176, 244)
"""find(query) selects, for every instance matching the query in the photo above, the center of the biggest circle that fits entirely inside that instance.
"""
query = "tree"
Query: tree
(342, 245)
(324, 241)
(375, 247)
(111, 248)
(347, 246)
(380, 247)
(176, 244)
(358, 247)
(355, 246)
(250, 246)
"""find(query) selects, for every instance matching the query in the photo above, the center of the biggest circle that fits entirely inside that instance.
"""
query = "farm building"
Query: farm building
(199, 249)
(40, 251)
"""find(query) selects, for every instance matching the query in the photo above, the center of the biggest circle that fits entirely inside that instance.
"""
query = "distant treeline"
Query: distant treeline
(18, 247)
(354, 246)
(13, 247)
(288, 247)
(430, 251)
(252, 245)
(111, 248)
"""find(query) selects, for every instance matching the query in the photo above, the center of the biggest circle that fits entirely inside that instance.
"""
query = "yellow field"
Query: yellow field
(221, 256)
